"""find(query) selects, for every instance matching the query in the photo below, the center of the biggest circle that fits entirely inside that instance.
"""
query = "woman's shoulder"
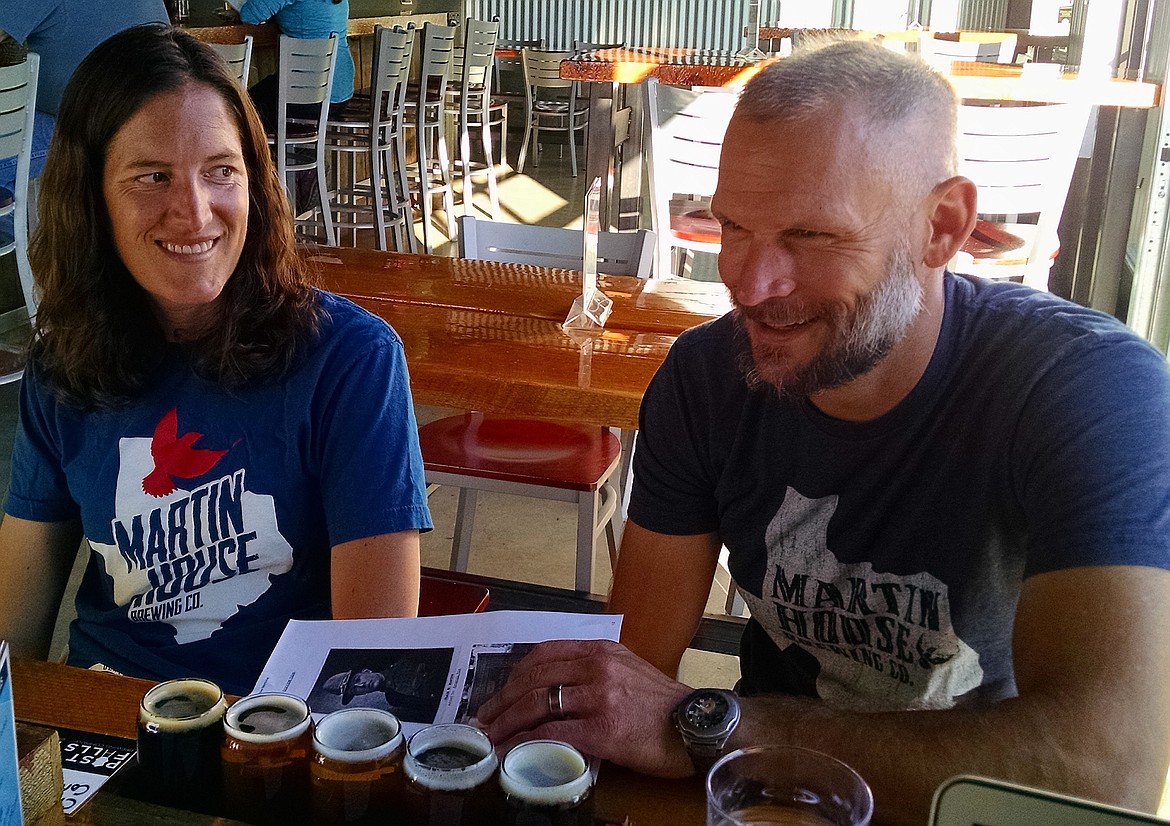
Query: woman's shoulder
(346, 322)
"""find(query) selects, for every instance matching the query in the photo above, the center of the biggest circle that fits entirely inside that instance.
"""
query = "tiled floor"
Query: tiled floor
(515, 538)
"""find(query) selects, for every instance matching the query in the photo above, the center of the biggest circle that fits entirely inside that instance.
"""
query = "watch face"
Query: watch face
(706, 711)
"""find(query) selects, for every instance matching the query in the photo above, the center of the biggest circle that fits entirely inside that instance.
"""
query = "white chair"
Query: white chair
(545, 460)
(472, 106)
(431, 170)
(18, 91)
(550, 103)
(305, 79)
(238, 56)
(686, 128)
(987, 48)
(1021, 158)
(372, 125)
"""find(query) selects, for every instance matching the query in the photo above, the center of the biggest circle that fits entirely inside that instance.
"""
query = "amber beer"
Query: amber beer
(179, 735)
(546, 783)
(449, 769)
(356, 770)
(266, 758)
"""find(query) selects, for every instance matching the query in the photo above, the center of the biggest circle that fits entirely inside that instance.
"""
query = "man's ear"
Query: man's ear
(951, 216)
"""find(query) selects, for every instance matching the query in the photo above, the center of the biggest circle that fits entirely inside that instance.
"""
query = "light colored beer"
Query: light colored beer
(764, 815)
(265, 758)
(355, 773)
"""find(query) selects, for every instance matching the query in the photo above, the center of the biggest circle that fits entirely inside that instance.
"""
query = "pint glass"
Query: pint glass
(179, 736)
(449, 769)
(546, 783)
(355, 774)
(266, 758)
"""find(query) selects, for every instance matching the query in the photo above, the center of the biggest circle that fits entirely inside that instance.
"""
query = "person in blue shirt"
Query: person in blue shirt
(231, 447)
(62, 33)
(308, 19)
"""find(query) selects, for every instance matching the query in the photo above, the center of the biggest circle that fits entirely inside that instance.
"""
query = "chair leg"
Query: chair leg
(489, 165)
(572, 136)
(587, 510)
(403, 183)
(524, 145)
(424, 185)
(465, 167)
(323, 201)
(448, 189)
(376, 194)
(464, 525)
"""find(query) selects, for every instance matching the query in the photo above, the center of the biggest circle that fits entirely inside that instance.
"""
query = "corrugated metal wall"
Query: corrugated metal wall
(702, 24)
(983, 15)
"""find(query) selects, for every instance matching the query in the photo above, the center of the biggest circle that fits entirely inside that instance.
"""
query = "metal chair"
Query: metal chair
(238, 56)
(372, 125)
(305, 80)
(940, 52)
(686, 135)
(18, 92)
(1021, 157)
(431, 171)
(545, 460)
(472, 106)
(551, 103)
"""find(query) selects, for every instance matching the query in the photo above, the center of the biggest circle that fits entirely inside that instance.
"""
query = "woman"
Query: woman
(236, 447)
(310, 19)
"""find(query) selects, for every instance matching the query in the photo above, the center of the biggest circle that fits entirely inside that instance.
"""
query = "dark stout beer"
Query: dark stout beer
(546, 783)
(179, 735)
(265, 759)
(449, 769)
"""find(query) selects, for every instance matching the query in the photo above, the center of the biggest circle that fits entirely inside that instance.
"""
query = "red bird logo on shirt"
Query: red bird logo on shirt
(175, 456)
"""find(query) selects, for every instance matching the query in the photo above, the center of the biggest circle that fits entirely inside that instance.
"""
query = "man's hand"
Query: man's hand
(616, 706)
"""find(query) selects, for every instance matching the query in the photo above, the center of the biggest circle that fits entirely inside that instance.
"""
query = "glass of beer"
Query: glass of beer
(355, 773)
(266, 741)
(785, 785)
(179, 735)
(546, 783)
(449, 769)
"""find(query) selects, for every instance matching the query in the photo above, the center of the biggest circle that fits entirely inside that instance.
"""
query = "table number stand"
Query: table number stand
(751, 50)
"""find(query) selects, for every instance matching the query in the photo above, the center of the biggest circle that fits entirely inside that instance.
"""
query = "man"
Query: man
(412, 688)
(946, 501)
(63, 32)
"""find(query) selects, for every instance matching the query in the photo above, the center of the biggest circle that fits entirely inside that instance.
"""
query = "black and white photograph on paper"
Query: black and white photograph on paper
(488, 668)
(407, 682)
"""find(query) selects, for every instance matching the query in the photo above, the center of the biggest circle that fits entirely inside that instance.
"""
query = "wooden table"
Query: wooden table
(54, 695)
(620, 68)
(487, 336)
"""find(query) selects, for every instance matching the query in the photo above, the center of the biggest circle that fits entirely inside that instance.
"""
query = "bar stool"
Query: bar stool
(472, 106)
(372, 125)
(305, 80)
(431, 172)
(551, 103)
(238, 57)
(18, 92)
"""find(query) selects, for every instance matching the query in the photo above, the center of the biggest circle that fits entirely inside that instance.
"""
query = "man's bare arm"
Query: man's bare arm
(661, 585)
(35, 561)
(1092, 662)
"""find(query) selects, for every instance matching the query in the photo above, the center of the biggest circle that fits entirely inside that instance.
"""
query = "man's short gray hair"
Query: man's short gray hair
(910, 106)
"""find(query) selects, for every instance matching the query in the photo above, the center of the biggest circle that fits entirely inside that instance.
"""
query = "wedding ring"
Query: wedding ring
(555, 709)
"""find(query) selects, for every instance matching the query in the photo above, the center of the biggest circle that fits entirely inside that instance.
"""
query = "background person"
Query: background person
(946, 501)
(62, 33)
(236, 448)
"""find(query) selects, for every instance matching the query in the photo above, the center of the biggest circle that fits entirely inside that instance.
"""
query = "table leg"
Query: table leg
(599, 146)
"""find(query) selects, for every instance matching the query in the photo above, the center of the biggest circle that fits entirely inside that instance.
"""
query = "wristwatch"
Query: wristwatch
(705, 719)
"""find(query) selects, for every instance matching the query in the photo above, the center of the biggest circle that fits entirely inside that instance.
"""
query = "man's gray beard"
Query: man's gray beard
(861, 339)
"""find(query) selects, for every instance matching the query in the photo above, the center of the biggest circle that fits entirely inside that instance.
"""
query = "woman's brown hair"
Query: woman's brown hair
(96, 340)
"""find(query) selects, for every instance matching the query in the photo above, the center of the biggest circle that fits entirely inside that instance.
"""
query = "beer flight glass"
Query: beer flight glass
(179, 735)
(356, 770)
(546, 783)
(449, 769)
(265, 756)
